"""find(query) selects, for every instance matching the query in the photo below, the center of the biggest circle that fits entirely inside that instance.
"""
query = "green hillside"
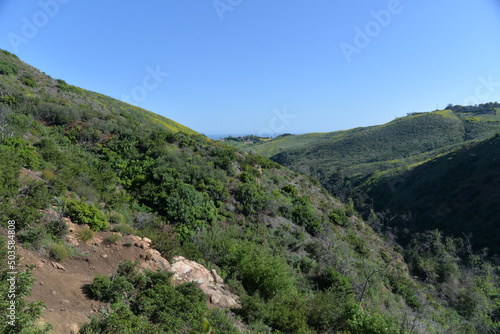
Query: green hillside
(350, 163)
(361, 152)
(456, 192)
(300, 260)
(29, 89)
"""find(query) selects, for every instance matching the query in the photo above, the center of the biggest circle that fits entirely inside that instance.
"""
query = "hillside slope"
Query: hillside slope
(300, 260)
(457, 192)
(55, 102)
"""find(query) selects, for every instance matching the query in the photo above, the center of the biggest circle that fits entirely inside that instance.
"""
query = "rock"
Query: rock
(104, 256)
(64, 301)
(96, 240)
(216, 277)
(39, 264)
(58, 266)
(211, 283)
(147, 240)
(73, 328)
(72, 241)
(155, 260)
(142, 244)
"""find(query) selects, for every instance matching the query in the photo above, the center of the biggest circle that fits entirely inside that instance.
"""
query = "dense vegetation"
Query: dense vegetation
(373, 160)
(300, 260)
(456, 193)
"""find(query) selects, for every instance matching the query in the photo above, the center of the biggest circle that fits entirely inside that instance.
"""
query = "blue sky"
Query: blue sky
(266, 67)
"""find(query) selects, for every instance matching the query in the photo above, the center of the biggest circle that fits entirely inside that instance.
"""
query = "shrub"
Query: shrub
(25, 151)
(83, 213)
(85, 234)
(150, 296)
(246, 177)
(290, 190)
(8, 68)
(32, 235)
(123, 229)
(57, 228)
(303, 214)
(252, 198)
(113, 239)
(55, 114)
(339, 217)
(359, 245)
(58, 252)
(28, 80)
(62, 85)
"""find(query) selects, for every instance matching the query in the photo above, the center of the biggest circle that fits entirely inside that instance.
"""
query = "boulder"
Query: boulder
(209, 281)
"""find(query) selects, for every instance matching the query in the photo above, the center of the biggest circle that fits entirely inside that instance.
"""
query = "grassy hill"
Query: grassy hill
(456, 192)
(56, 102)
(361, 152)
(300, 260)
(350, 163)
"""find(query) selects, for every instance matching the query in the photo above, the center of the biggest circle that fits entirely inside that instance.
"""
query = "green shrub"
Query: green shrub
(303, 215)
(28, 80)
(9, 173)
(290, 190)
(83, 213)
(406, 288)
(62, 85)
(252, 197)
(58, 252)
(32, 235)
(85, 234)
(8, 68)
(124, 229)
(150, 296)
(359, 245)
(25, 151)
(339, 217)
(113, 239)
(246, 177)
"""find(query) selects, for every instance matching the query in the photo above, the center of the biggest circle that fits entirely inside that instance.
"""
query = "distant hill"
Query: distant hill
(458, 192)
(361, 152)
(353, 162)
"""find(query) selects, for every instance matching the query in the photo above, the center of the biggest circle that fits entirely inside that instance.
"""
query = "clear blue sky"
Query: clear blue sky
(233, 69)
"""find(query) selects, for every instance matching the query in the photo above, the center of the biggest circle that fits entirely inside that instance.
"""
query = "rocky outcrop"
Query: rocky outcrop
(212, 284)
(218, 294)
